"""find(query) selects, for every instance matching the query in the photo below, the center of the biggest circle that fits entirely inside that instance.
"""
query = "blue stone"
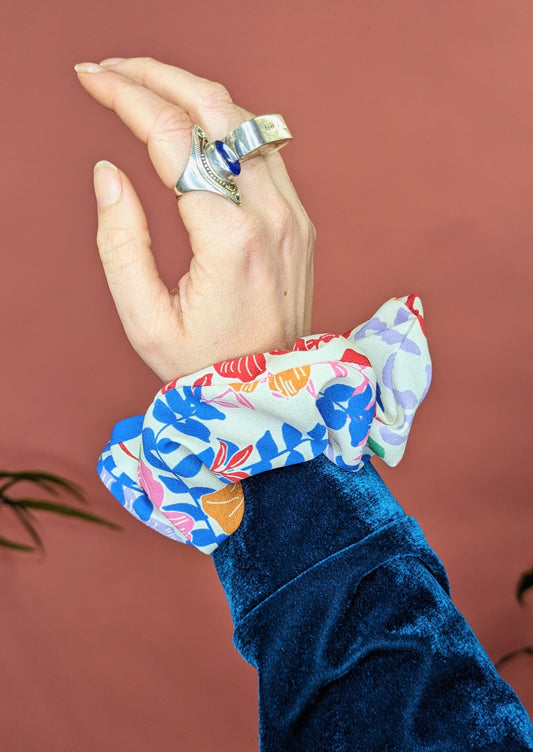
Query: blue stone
(229, 156)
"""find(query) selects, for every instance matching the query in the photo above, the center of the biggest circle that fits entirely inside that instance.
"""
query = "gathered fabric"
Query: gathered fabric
(179, 468)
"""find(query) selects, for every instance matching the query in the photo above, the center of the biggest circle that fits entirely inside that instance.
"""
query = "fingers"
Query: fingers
(207, 103)
(142, 300)
(164, 127)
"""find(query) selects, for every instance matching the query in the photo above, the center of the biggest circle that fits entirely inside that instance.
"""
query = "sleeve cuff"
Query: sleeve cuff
(179, 468)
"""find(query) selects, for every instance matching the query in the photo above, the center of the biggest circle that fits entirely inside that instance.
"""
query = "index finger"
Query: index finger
(207, 102)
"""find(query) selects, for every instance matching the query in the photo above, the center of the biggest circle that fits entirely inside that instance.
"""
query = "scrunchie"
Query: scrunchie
(178, 468)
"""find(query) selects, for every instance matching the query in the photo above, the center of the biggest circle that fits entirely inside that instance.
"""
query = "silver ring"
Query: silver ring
(203, 172)
(213, 165)
(260, 135)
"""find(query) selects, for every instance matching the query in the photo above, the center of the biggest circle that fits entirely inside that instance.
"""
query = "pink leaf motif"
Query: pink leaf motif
(243, 401)
(153, 489)
(184, 522)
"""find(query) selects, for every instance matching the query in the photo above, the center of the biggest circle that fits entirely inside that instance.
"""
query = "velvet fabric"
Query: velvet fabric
(344, 609)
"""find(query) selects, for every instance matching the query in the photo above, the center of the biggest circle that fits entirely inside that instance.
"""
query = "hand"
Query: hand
(249, 286)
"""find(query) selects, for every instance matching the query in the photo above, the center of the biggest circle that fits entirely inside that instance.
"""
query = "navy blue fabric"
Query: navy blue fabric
(344, 610)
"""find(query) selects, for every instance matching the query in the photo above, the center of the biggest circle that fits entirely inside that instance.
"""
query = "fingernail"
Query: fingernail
(88, 68)
(107, 184)
(111, 61)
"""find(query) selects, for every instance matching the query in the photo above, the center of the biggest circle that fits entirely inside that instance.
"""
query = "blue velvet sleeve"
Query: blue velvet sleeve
(344, 610)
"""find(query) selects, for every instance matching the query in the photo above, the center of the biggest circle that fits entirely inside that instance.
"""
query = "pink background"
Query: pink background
(413, 128)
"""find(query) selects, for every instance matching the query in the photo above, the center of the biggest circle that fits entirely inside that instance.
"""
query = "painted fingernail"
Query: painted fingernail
(88, 68)
(107, 184)
(111, 61)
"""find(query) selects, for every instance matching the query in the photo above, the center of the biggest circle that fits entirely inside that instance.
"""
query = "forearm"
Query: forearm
(343, 608)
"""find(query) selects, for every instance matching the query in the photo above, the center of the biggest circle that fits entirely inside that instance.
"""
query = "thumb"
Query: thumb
(123, 239)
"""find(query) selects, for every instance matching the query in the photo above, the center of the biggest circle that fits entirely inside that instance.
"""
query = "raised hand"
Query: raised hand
(249, 286)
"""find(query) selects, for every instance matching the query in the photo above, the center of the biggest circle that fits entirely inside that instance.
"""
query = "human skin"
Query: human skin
(250, 282)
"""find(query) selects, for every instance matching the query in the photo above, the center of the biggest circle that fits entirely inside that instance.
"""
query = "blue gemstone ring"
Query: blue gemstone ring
(228, 155)
(213, 165)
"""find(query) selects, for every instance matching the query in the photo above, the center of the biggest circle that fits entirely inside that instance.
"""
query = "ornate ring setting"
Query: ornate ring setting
(213, 165)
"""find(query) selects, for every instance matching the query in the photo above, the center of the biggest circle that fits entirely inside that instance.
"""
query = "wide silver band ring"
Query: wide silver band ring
(260, 135)
(212, 166)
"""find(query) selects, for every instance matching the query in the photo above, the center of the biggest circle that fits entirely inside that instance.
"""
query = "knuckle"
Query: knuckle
(284, 221)
(119, 247)
(169, 122)
(145, 61)
(212, 94)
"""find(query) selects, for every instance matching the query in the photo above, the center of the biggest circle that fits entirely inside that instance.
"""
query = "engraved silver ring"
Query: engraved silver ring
(213, 165)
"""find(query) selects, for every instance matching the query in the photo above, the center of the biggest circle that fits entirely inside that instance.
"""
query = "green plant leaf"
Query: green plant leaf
(524, 583)
(63, 509)
(5, 543)
(528, 650)
(48, 481)
(24, 517)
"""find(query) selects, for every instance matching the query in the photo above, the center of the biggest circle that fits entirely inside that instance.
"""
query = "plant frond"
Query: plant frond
(5, 543)
(524, 583)
(65, 510)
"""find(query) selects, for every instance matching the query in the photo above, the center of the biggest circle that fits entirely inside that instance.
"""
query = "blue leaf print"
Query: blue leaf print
(333, 418)
(127, 429)
(191, 509)
(291, 436)
(266, 446)
(143, 507)
(208, 412)
(192, 427)
(338, 393)
(150, 450)
(259, 467)
(163, 413)
(207, 456)
(206, 538)
(188, 467)
(359, 429)
(294, 458)
(378, 396)
(318, 432)
(166, 445)
(177, 403)
(198, 491)
(176, 485)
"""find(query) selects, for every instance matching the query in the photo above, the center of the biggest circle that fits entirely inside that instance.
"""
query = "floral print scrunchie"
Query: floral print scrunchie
(351, 396)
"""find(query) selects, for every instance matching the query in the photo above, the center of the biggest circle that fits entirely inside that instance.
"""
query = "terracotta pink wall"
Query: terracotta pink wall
(412, 152)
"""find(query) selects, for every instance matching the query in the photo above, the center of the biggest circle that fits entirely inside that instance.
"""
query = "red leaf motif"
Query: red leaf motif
(169, 386)
(234, 477)
(204, 380)
(312, 343)
(221, 456)
(240, 457)
(410, 303)
(352, 356)
(244, 369)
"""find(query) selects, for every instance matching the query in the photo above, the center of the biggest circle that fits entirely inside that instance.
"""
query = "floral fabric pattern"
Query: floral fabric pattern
(351, 396)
